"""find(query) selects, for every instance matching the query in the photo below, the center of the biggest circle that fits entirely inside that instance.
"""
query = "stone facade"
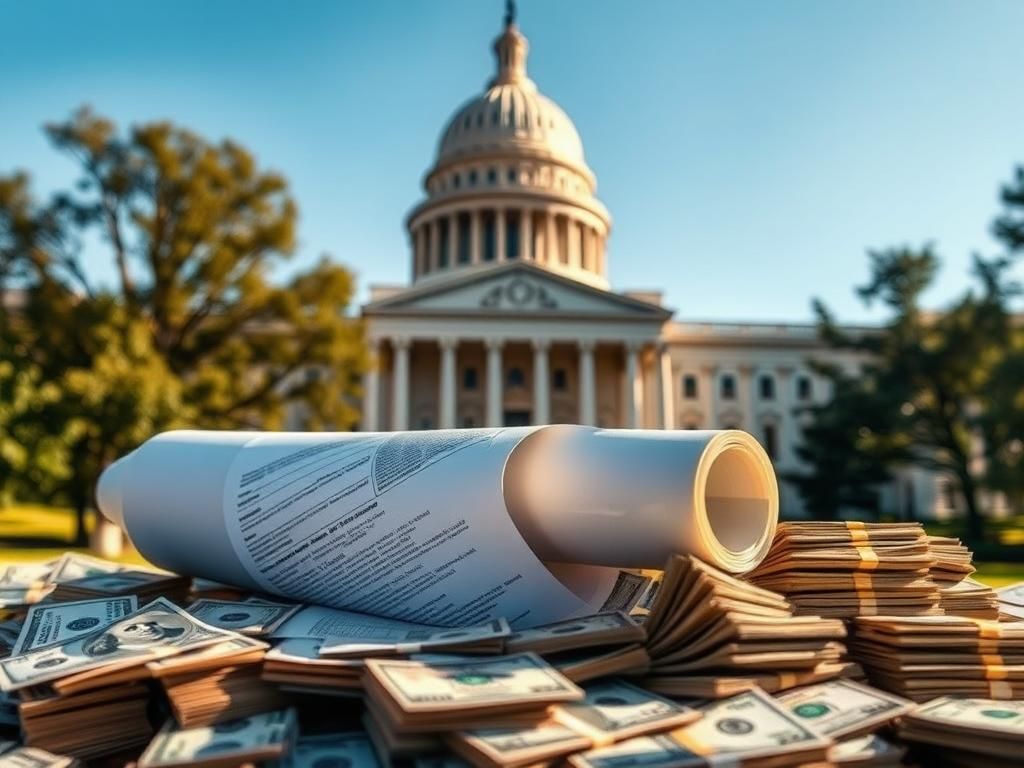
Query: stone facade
(510, 320)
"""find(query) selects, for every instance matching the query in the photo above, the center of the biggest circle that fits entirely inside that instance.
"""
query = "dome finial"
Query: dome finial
(511, 48)
(510, 13)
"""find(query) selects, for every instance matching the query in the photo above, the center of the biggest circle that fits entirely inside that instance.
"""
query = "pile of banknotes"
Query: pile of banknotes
(109, 665)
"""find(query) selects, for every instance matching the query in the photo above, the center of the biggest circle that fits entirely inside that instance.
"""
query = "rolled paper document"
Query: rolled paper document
(448, 527)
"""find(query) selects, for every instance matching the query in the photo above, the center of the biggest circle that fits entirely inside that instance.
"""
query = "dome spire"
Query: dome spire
(511, 48)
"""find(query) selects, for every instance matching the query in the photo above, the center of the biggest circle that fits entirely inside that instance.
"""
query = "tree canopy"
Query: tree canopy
(202, 326)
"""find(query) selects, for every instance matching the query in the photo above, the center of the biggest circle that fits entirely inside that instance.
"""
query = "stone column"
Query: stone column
(499, 235)
(551, 238)
(746, 397)
(572, 240)
(371, 389)
(709, 392)
(446, 410)
(588, 387)
(434, 256)
(634, 387)
(526, 234)
(494, 382)
(788, 435)
(400, 406)
(475, 237)
(541, 382)
(666, 390)
(453, 239)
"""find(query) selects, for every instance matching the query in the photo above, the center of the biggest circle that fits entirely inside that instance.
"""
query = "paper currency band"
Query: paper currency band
(868, 558)
(1000, 689)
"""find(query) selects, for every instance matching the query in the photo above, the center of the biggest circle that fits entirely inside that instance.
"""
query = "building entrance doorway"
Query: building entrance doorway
(517, 418)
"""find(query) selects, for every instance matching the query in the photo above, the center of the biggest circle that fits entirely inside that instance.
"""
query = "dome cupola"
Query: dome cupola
(510, 181)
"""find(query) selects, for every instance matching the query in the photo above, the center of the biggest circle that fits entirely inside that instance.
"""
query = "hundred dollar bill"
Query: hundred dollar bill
(249, 618)
(251, 739)
(485, 682)
(747, 727)
(72, 565)
(332, 750)
(49, 623)
(614, 710)
(981, 716)
(157, 629)
(841, 708)
(30, 757)
(25, 574)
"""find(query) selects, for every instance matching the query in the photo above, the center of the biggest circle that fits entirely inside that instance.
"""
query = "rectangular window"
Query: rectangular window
(512, 235)
(469, 378)
(559, 380)
(766, 386)
(771, 441)
(690, 386)
(727, 387)
(490, 241)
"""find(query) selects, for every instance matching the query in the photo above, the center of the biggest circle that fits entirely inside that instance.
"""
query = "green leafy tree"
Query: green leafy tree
(195, 330)
(927, 378)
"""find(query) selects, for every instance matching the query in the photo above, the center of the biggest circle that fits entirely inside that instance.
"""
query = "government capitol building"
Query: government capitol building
(510, 320)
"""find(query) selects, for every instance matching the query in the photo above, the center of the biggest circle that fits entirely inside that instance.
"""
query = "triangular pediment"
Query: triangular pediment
(510, 289)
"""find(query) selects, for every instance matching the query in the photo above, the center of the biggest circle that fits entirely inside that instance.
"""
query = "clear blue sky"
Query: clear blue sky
(749, 151)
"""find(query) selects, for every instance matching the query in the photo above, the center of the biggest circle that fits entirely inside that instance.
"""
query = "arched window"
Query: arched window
(457, 180)
(511, 176)
(492, 176)
(515, 379)
(728, 387)
(803, 388)
(472, 178)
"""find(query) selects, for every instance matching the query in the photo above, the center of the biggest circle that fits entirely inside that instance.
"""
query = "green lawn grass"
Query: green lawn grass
(36, 533)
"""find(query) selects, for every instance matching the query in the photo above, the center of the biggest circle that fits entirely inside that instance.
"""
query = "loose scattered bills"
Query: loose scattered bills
(104, 663)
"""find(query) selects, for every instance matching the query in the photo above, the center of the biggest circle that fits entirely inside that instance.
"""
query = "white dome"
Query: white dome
(512, 118)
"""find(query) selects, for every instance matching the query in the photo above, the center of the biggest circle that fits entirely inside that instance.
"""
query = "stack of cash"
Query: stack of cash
(959, 594)
(27, 757)
(264, 737)
(967, 732)
(750, 729)
(852, 714)
(25, 584)
(407, 697)
(922, 657)
(588, 647)
(1011, 602)
(847, 569)
(611, 711)
(145, 585)
(710, 635)
(295, 665)
(217, 683)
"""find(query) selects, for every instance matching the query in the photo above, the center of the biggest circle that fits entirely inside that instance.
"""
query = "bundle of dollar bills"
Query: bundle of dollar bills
(923, 657)
(959, 594)
(848, 569)
(112, 666)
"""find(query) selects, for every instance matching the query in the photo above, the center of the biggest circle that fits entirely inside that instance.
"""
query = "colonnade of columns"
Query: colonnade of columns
(586, 397)
(486, 235)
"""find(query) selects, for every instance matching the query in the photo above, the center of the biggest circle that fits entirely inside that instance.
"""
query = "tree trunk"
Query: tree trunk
(975, 521)
(81, 534)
